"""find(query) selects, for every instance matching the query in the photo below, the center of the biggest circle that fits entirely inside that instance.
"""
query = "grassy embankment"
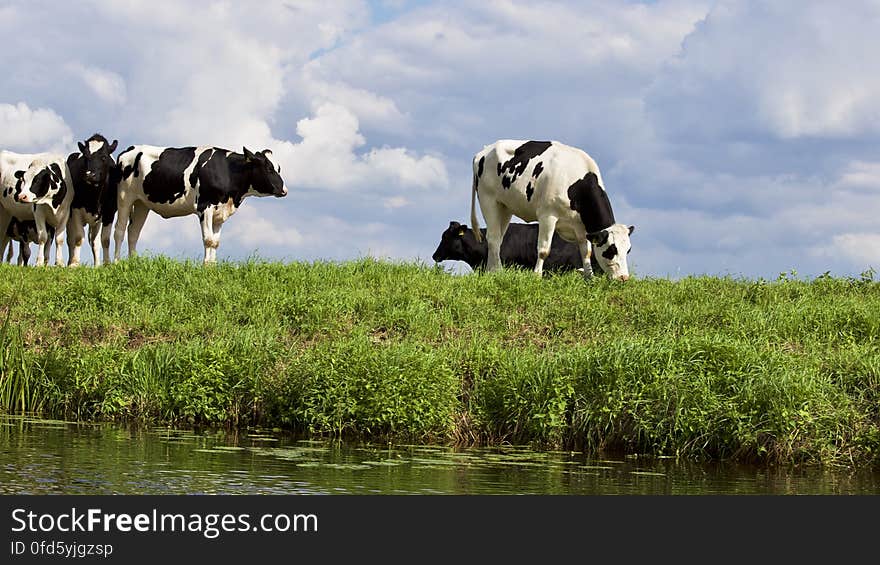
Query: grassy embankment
(775, 371)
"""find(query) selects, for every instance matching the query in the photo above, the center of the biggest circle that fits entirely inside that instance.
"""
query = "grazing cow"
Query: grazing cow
(25, 233)
(556, 185)
(36, 187)
(94, 174)
(207, 181)
(518, 249)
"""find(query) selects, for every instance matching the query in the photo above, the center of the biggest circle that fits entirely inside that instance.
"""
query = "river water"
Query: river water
(49, 456)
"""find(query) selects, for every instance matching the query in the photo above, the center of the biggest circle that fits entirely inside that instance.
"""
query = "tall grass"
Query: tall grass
(703, 367)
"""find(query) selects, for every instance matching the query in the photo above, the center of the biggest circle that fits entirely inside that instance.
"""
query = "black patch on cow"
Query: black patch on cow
(591, 201)
(517, 164)
(40, 183)
(164, 183)
(480, 166)
(221, 177)
(539, 168)
(529, 192)
(134, 168)
(499, 169)
(598, 238)
(58, 185)
(203, 158)
(610, 252)
(18, 183)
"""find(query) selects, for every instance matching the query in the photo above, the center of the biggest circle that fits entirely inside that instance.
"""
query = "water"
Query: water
(50, 456)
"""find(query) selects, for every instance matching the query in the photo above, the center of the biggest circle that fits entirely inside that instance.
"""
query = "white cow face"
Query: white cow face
(610, 248)
(40, 183)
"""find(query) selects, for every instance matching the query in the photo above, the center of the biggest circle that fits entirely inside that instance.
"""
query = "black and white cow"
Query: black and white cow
(518, 249)
(207, 181)
(94, 175)
(36, 187)
(25, 233)
(558, 186)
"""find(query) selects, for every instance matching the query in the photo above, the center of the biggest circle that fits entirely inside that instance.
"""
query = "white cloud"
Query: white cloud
(862, 249)
(251, 229)
(788, 69)
(327, 158)
(107, 85)
(396, 202)
(26, 130)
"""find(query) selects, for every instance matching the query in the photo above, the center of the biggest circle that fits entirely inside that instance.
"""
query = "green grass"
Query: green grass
(784, 371)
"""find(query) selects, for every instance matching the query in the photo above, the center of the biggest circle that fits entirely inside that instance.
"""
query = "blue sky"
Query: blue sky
(739, 137)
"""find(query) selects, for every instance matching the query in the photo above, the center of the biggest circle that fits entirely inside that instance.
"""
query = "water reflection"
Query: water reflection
(50, 456)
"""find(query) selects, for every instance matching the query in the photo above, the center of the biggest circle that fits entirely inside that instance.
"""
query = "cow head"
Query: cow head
(265, 177)
(458, 244)
(42, 183)
(98, 155)
(610, 248)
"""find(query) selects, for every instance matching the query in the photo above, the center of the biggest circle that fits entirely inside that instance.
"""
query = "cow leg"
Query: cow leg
(217, 227)
(42, 237)
(138, 217)
(106, 233)
(206, 220)
(59, 243)
(24, 252)
(586, 250)
(497, 218)
(94, 228)
(122, 213)
(5, 220)
(546, 229)
(74, 238)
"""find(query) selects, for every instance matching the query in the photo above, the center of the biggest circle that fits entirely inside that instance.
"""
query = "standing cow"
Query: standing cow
(518, 249)
(94, 175)
(25, 233)
(207, 181)
(36, 187)
(556, 185)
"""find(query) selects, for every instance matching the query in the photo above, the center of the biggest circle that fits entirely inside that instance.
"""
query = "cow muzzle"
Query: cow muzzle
(23, 198)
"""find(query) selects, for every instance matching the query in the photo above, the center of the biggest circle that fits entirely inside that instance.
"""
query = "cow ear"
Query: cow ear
(248, 156)
(266, 152)
(461, 232)
(19, 174)
(112, 147)
(82, 148)
(453, 224)
(632, 229)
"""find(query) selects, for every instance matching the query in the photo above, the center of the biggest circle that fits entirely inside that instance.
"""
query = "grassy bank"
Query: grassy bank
(774, 371)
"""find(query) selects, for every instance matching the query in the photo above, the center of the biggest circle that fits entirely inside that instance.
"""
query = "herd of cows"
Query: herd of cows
(48, 196)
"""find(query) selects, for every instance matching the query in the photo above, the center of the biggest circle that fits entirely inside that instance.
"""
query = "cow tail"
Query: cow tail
(475, 224)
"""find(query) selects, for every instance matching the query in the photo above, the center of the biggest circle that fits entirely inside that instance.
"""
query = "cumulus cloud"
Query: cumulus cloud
(862, 249)
(107, 85)
(25, 130)
(252, 229)
(786, 69)
(327, 158)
